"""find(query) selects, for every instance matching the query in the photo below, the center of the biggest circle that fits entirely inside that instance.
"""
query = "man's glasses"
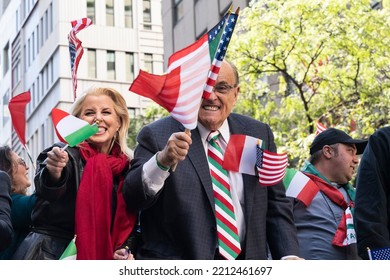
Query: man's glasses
(223, 88)
(22, 162)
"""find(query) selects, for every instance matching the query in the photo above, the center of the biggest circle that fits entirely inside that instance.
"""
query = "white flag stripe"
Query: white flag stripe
(70, 124)
(273, 170)
(269, 156)
(185, 118)
(297, 183)
(270, 182)
(271, 177)
(181, 61)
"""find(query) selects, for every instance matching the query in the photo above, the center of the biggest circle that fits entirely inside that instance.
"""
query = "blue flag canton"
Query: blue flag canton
(259, 156)
(213, 33)
(226, 36)
(72, 52)
(380, 254)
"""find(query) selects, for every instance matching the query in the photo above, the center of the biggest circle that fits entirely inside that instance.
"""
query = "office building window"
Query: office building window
(110, 12)
(111, 65)
(5, 59)
(92, 63)
(5, 112)
(148, 62)
(147, 15)
(129, 60)
(128, 13)
(91, 10)
(178, 10)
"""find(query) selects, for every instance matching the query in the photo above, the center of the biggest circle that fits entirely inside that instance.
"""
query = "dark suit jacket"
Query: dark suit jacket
(6, 229)
(179, 223)
(372, 201)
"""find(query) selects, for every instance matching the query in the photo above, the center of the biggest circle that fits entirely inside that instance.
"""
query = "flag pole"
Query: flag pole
(29, 156)
(369, 253)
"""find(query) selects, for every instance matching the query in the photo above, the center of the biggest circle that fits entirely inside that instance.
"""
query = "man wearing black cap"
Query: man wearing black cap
(324, 224)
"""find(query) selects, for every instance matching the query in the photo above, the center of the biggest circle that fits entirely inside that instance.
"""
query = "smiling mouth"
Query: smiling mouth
(211, 108)
(101, 130)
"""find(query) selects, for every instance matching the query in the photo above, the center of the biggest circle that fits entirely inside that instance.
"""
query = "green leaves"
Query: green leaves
(301, 60)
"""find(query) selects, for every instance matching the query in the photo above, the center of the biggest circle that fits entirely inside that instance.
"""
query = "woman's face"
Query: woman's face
(20, 179)
(100, 109)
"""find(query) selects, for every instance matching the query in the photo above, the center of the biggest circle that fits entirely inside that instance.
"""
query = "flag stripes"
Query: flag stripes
(76, 50)
(228, 27)
(270, 166)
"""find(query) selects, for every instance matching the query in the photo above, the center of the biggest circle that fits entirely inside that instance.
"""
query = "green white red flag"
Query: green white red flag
(240, 154)
(70, 252)
(70, 129)
(299, 186)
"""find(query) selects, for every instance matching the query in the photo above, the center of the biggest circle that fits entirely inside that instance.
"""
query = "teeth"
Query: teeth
(101, 130)
(211, 108)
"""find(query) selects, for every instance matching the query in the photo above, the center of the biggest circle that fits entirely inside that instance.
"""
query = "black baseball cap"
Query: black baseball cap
(332, 136)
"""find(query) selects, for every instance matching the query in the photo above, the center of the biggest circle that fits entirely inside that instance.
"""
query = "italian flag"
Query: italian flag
(300, 186)
(70, 129)
(70, 252)
(240, 154)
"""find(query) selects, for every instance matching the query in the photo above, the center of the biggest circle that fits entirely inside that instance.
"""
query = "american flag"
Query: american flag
(320, 128)
(75, 48)
(379, 254)
(271, 167)
(221, 50)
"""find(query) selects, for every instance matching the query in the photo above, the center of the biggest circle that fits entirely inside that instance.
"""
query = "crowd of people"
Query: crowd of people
(172, 199)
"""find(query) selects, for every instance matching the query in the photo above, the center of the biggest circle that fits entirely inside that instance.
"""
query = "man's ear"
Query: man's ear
(327, 151)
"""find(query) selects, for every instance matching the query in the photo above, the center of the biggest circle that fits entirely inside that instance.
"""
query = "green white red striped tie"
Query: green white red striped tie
(228, 239)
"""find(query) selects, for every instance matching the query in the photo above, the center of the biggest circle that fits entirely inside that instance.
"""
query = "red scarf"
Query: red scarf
(97, 235)
(336, 197)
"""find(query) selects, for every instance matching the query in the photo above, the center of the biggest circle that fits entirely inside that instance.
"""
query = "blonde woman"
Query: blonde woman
(79, 189)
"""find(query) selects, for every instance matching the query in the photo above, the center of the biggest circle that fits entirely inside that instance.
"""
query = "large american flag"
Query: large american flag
(75, 48)
(271, 167)
(180, 90)
(221, 50)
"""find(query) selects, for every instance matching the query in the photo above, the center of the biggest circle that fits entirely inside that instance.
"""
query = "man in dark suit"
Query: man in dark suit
(5, 210)
(372, 204)
(178, 210)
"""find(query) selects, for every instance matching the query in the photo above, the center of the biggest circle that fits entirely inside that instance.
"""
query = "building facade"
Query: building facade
(126, 36)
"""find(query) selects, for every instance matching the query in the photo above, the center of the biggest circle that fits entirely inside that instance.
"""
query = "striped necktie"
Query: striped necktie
(228, 239)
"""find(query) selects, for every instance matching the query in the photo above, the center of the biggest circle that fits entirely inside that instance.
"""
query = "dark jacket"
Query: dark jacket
(179, 222)
(53, 216)
(5, 210)
(372, 202)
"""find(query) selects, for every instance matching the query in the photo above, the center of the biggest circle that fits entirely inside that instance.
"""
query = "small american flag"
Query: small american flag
(271, 167)
(221, 50)
(379, 254)
(75, 48)
(320, 128)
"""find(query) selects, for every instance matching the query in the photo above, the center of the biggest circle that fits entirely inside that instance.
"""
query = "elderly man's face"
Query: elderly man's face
(214, 111)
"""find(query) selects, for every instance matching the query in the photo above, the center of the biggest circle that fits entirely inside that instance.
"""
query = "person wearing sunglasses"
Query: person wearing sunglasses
(22, 204)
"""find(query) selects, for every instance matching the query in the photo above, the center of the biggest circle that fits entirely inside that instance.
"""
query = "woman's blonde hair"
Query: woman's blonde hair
(120, 108)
